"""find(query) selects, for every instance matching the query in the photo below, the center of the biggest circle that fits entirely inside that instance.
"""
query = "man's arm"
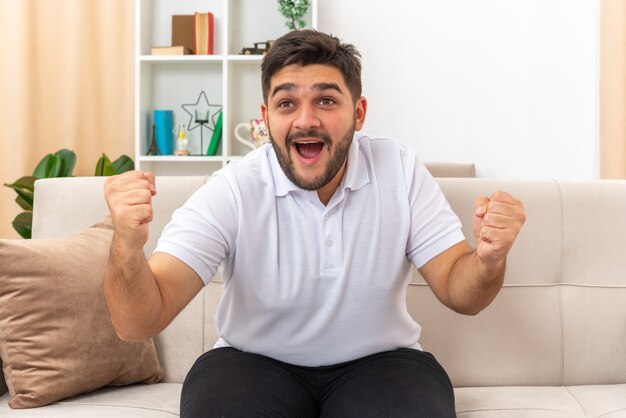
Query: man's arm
(467, 281)
(143, 297)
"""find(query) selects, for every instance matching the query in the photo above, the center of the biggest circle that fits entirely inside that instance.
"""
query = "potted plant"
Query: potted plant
(294, 11)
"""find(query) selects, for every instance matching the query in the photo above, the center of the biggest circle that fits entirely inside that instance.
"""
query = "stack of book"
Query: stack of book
(191, 34)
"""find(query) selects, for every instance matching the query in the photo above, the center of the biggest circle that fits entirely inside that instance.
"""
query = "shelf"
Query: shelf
(227, 78)
(181, 58)
(179, 158)
(246, 58)
(199, 58)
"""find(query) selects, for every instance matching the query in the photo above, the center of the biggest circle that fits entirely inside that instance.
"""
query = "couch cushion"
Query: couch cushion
(594, 334)
(163, 400)
(606, 401)
(56, 338)
(594, 282)
(136, 401)
(507, 344)
(516, 402)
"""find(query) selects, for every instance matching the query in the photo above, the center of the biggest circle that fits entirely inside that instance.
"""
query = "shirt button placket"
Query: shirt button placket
(331, 251)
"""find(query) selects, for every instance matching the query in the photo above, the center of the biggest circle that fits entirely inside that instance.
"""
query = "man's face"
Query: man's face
(311, 118)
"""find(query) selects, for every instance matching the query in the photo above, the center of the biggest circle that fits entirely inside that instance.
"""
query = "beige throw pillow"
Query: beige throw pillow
(56, 337)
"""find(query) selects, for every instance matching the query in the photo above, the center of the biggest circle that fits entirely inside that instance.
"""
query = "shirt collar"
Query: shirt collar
(356, 176)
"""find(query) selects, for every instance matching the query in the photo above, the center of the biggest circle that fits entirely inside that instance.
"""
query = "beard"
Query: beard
(338, 154)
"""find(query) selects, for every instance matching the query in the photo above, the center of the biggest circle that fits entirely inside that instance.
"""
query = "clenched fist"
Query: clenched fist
(129, 198)
(497, 221)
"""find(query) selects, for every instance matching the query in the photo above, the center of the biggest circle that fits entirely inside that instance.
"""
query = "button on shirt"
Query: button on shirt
(310, 284)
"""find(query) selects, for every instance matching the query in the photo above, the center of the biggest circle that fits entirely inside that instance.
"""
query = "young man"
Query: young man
(317, 233)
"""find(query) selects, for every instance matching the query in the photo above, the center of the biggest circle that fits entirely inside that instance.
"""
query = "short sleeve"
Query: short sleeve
(434, 226)
(203, 231)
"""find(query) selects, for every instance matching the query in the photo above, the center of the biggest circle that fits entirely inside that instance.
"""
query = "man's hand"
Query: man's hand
(129, 198)
(497, 221)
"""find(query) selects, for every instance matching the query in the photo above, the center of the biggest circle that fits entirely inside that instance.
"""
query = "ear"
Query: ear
(264, 113)
(360, 112)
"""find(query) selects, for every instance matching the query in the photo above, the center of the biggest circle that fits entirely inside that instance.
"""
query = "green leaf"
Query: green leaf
(59, 164)
(26, 183)
(123, 164)
(50, 166)
(104, 167)
(23, 224)
(24, 203)
(24, 187)
(68, 161)
(41, 169)
(25, 197)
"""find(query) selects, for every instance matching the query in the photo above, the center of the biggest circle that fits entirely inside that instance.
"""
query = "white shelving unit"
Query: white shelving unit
(227, 78)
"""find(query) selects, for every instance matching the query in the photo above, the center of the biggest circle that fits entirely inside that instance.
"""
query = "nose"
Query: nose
(306, 117)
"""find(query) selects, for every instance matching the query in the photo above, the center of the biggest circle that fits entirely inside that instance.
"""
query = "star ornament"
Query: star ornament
(198, 110)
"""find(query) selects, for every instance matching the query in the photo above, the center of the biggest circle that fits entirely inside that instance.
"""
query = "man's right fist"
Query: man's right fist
(129, 198)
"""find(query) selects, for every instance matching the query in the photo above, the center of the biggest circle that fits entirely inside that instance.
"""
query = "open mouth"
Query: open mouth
(309, 149)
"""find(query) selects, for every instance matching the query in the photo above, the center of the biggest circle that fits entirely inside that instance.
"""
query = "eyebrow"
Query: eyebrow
(317, 86)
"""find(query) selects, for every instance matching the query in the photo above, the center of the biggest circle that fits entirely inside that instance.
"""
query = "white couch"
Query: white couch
(552, 344)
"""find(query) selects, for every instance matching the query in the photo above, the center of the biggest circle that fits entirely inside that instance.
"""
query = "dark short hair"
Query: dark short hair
(306, 47)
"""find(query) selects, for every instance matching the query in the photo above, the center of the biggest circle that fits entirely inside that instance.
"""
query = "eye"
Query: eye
(326, 101)
(284, 104)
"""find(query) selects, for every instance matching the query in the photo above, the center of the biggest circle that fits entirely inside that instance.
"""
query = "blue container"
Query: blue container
(164, 127)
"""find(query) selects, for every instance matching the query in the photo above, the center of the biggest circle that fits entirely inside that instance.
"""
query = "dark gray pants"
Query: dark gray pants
(226, 382)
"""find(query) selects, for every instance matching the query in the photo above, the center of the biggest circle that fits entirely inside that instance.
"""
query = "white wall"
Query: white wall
(510, 85)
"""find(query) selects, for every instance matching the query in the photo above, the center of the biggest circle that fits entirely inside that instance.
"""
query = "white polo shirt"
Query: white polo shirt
(310, 284)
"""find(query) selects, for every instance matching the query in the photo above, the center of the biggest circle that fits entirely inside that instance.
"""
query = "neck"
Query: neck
(327, 191)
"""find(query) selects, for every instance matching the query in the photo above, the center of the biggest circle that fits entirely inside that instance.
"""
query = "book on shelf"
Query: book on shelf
(170, 50)
(203, 30)
(216, 137)
(183, 32)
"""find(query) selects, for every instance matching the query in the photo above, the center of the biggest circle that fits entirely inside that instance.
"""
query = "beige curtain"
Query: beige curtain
(66, 81)
(613, 89)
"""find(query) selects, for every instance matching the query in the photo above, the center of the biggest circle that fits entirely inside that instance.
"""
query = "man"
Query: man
(317, 233)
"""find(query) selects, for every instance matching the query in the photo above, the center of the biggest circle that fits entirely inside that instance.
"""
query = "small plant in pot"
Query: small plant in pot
(294, 11)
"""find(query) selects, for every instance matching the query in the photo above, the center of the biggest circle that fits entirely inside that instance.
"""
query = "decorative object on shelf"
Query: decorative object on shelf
(294, 11)
(257, 133)
(154, 149)
(202, 114)
(183, 31)
(182, 143)
(201, 118)
(59, 164)
(164, 125)
(216, 137)
(260, 48)
(203, 30)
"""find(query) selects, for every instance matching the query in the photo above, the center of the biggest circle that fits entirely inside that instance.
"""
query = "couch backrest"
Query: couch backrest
(560, 318)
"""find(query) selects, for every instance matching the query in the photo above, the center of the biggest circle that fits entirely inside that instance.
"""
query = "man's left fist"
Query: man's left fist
(497, 221)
